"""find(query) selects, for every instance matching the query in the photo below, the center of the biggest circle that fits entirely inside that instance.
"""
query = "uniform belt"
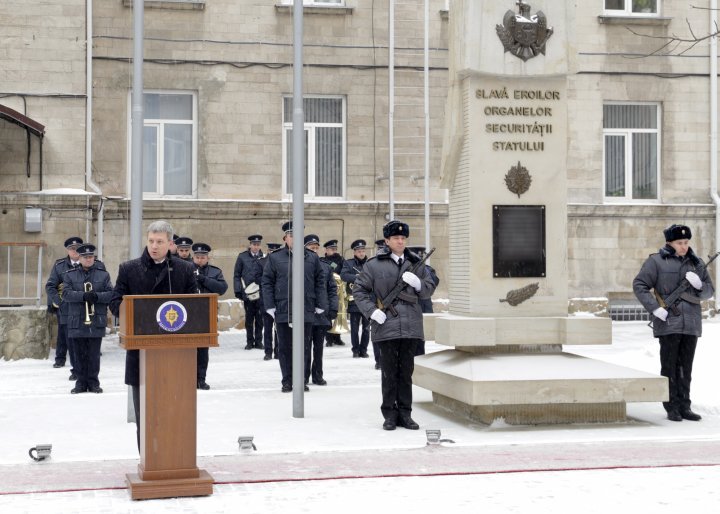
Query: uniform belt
(407, 298)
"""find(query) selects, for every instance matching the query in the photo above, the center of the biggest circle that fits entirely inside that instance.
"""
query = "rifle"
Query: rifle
(389, 303)
(670, 302)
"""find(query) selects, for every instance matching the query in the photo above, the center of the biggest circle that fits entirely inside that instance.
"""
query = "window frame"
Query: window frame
(627, 133)
(160, 124)
(627, 11)
(316, 3)
(311, 138)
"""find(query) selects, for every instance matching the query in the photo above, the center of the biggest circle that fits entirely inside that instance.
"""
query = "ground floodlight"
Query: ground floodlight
(42, 451)
(246, 443)
(433, 435)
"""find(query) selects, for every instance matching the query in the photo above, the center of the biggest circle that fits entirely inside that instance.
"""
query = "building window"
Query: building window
(169, 144)
(632, 7)
(631, 151)
(315, 2)
(324, 146)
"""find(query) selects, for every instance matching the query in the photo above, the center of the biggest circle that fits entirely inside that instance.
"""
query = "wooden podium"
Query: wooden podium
(168, 329)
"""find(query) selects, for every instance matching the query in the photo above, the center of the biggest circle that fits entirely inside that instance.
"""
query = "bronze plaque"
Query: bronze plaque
(518, 241)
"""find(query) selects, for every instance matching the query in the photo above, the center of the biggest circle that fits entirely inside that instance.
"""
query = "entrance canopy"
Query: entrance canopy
(31, 127)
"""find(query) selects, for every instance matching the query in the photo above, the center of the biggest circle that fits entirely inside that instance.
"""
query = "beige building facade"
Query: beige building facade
(218, 75)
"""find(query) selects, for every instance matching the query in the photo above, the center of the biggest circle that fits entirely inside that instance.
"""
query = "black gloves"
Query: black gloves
(90, 297)
(333, 315)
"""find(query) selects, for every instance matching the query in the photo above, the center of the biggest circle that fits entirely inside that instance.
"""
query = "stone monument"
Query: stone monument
(504, 162)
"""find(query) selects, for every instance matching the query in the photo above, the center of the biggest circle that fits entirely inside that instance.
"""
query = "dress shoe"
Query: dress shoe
(389, 424)
(72, 377)
(377, 365)
(407, 422)
(306, 388)
(77, 390)
(328, 345)
(248, 346)
(355, 355)
(268, 357)
(321, 382)
(339, 343)
(674, 415)
(275, 356)
(259, 346)
(202, 385)
(286, 389)
(59, 365)
(690, 415)
(364, 355)
(96, 389)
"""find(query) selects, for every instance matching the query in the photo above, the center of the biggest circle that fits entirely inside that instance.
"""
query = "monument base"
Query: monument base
(534, 388)
(169, 488)
(535, 414)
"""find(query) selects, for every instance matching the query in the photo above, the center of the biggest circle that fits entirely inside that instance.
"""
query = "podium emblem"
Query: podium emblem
(171, 316)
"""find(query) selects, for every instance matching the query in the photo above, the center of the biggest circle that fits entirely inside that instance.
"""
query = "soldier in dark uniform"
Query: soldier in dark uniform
(184, 245)
(323, 321)
(379, 245)
(425, 303)
(397, 332)
(210, 280)
(156, 271)
(269, 332)
(246, 283)
(277, 298)
(173, 246)
(87, 291)
(54, 289)
(333, 259)
(350, 270)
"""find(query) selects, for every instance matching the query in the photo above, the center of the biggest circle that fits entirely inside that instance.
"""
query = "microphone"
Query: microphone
(169, 267)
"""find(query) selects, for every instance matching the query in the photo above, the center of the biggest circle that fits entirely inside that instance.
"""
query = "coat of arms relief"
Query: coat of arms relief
(524, 35)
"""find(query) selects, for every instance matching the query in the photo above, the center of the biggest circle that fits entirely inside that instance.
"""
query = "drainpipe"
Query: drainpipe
(714, 135)
(88, 126)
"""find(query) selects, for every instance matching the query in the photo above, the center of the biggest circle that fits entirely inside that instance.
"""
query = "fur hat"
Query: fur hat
(675, 232)
(396, 228)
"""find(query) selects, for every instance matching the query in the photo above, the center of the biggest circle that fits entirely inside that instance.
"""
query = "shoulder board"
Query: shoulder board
(60, 260)
(71, 269)
(211, 266)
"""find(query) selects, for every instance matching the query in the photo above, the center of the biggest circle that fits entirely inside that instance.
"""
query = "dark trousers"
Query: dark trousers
(253, 323)
(376, 352)
(285, 345)
(314, 353)
(63, 347)
(136, 407)
(677, 352)
(203, 357)
(87, 364)
(397, 364)
(270, 337)
(359, 343)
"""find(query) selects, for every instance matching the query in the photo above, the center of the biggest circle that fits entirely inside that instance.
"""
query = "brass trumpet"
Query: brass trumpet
(89, 309)
(340, 323)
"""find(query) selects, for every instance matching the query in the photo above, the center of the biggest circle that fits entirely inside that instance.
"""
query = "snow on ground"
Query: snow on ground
(245, 399)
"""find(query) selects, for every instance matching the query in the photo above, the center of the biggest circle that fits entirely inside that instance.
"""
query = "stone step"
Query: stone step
(534, 388)
(464, 331)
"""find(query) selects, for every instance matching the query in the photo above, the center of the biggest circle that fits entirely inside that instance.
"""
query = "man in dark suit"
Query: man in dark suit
(156, 271)
(246, 282)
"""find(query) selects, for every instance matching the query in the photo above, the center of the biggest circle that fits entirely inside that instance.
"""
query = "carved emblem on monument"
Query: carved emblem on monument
(518, 179)
(518, 296)
(523, 35)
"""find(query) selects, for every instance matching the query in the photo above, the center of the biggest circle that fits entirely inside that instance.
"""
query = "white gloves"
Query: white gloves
(413, 280)
(379, 316)
(271, 312)
(318, 310)
(661, 313)
(694, 280)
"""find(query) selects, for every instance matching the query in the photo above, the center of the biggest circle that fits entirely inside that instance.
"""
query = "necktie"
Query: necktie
(400, 262)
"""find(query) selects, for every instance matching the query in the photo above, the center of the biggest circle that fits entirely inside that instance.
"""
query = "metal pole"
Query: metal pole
(136, 206)
(298, 254)
(714, 135)
(391, 108)
(426, 77)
